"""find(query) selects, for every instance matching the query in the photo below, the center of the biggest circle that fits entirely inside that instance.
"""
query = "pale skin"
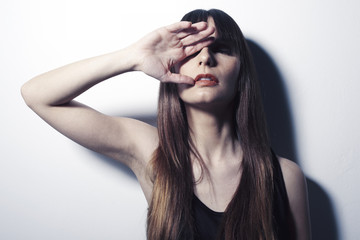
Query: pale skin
(132, 142)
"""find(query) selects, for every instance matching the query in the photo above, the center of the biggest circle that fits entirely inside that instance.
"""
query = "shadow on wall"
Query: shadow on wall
(282, 136)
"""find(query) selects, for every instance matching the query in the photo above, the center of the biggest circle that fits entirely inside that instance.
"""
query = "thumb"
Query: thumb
(178, 78)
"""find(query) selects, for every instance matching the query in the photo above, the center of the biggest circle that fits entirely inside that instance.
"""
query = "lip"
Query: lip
(206, 80)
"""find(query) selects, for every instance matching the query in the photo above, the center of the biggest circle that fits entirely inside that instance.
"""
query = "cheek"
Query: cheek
(233, 73)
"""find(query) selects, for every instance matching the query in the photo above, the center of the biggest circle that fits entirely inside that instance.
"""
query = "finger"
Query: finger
(179, 26)
(178, 78)
(194, 28)
(198, 36)
(191, 49)
(200, 25)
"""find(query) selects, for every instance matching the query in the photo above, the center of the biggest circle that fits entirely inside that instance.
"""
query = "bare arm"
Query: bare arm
(298, 198)
(51, 95)
(130, 141)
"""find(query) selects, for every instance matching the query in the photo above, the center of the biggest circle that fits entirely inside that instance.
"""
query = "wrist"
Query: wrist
(132, 58)
(118, 62)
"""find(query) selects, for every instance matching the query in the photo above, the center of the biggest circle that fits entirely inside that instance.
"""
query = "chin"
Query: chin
(209, 104)
(197, 98)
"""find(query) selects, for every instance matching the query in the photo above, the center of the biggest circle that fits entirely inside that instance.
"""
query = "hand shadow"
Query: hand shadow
(283, 141)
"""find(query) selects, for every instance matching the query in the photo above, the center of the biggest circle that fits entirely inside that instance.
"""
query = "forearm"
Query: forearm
(61, 85)
(155, 54)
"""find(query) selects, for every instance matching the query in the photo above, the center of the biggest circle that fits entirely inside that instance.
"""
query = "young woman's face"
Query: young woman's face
(215, 70)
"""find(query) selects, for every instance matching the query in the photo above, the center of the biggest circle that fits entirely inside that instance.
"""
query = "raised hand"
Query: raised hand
(160, 50)
(155, 55)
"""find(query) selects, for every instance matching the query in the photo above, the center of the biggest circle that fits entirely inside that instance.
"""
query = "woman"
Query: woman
(208, 171)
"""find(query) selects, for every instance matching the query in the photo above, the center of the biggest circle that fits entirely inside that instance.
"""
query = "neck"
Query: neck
(213, 134)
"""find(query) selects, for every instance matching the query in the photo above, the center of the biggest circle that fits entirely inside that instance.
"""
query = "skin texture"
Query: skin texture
(187, 47)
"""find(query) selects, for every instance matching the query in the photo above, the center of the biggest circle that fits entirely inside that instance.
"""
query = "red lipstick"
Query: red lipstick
(206, 80)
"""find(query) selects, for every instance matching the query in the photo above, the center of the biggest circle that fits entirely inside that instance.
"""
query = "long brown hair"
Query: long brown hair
(249, 214)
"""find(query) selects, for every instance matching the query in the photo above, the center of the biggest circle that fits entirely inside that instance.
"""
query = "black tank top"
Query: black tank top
(208, 221)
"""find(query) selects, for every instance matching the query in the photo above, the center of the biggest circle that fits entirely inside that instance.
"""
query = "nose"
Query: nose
(206, 58)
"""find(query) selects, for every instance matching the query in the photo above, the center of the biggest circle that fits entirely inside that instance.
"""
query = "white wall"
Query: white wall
(51, 188)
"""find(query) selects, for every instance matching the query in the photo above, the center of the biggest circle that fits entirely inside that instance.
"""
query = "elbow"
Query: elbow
(29, 94)
(24, 90)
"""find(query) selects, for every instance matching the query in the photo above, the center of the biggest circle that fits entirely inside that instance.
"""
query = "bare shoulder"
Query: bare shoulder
(296, 188)
(294, 181)
(291, 171)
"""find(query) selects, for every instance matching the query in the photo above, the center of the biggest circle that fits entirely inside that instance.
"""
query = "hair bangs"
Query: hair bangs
(227, 29)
